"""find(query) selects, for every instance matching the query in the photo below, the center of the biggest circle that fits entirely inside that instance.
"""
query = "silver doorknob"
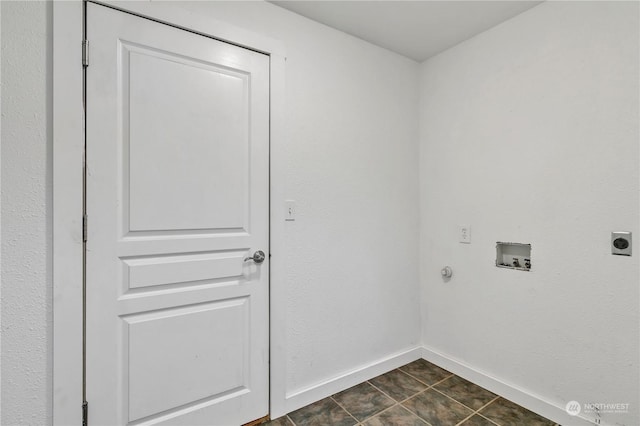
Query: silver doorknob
(258, 257)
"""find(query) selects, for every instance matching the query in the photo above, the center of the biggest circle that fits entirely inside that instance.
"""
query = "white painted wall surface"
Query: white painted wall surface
(0, 224)
(351, 166)
(546, 103)
(26, 213)
(529, 133)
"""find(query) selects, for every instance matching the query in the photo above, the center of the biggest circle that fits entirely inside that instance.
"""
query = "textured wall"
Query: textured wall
(351, 165)
(530, 134)
(352, 265)
(26, 213)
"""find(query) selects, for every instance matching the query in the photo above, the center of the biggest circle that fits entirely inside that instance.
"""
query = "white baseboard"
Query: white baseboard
(302, 397)
(522, 397)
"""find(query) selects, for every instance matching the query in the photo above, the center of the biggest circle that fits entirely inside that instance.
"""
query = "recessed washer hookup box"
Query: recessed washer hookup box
(513, 256)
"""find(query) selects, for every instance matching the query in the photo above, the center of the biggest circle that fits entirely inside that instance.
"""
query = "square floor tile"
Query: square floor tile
(505, 412)
(425, 371)
(322, 413)
(477, 420)
(470, 394)
(396, 416)
(437, 409)
(280, 421)
(363, 401)
(398, 385)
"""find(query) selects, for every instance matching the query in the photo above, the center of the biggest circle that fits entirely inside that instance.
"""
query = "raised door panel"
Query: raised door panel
(186, 369)
(183, 119)
(154, 272)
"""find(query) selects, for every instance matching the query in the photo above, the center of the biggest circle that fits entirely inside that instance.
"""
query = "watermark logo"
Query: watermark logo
(606, 407)
(573, 408)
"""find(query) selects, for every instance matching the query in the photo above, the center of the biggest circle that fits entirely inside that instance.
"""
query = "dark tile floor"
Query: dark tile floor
(419, 393)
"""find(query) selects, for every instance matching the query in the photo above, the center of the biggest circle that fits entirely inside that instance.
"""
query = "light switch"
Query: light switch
(464, 234)
(289, 210)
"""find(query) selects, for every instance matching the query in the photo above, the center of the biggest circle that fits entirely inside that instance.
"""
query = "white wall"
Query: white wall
(524, 132)
(529, 133)
(26, 213)
(0, 225)
(351, 165)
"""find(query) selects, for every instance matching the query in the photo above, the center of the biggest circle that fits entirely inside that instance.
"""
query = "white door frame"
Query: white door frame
(68, 145)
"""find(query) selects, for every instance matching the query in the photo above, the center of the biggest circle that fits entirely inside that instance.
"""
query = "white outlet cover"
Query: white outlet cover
(464, 234)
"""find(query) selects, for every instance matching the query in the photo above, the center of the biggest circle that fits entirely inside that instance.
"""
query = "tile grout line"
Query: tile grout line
(465, 419)
(454, 400)
(409, 410)
(432, 387)
(447, 396)
(346, 411)
(407, 398)
(485, 406)
(445, 379)
(428, 386)
(425, 383)
(413, 396)
(488, 419)
(397, 404)
(385, 410)
(379, 412)
(488, 404)
(383, 392)
(477, 411)
(415, 414)
(400, 402)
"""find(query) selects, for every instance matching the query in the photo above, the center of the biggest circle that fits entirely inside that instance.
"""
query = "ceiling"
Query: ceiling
(415, 29)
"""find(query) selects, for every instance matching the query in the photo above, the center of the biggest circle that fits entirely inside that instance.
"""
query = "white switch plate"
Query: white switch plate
(464, 234)
(289, 210)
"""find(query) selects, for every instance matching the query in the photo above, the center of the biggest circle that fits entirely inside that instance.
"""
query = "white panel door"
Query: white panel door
(177, 198)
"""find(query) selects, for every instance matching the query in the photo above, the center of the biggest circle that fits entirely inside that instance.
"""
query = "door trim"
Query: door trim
(68, 141)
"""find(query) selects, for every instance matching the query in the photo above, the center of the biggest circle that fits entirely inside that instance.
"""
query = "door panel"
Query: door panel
(189, 269)
(177, 198)
(185, 373)
(163, 197)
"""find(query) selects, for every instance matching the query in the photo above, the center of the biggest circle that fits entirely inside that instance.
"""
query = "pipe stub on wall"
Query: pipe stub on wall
(446, 272)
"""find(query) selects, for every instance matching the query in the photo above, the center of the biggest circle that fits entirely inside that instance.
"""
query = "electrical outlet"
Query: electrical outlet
(621, 243)
(464, 234)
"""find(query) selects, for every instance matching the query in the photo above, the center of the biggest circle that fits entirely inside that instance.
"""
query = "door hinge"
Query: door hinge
(85, 412)
(85, 53)
(85, 219)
